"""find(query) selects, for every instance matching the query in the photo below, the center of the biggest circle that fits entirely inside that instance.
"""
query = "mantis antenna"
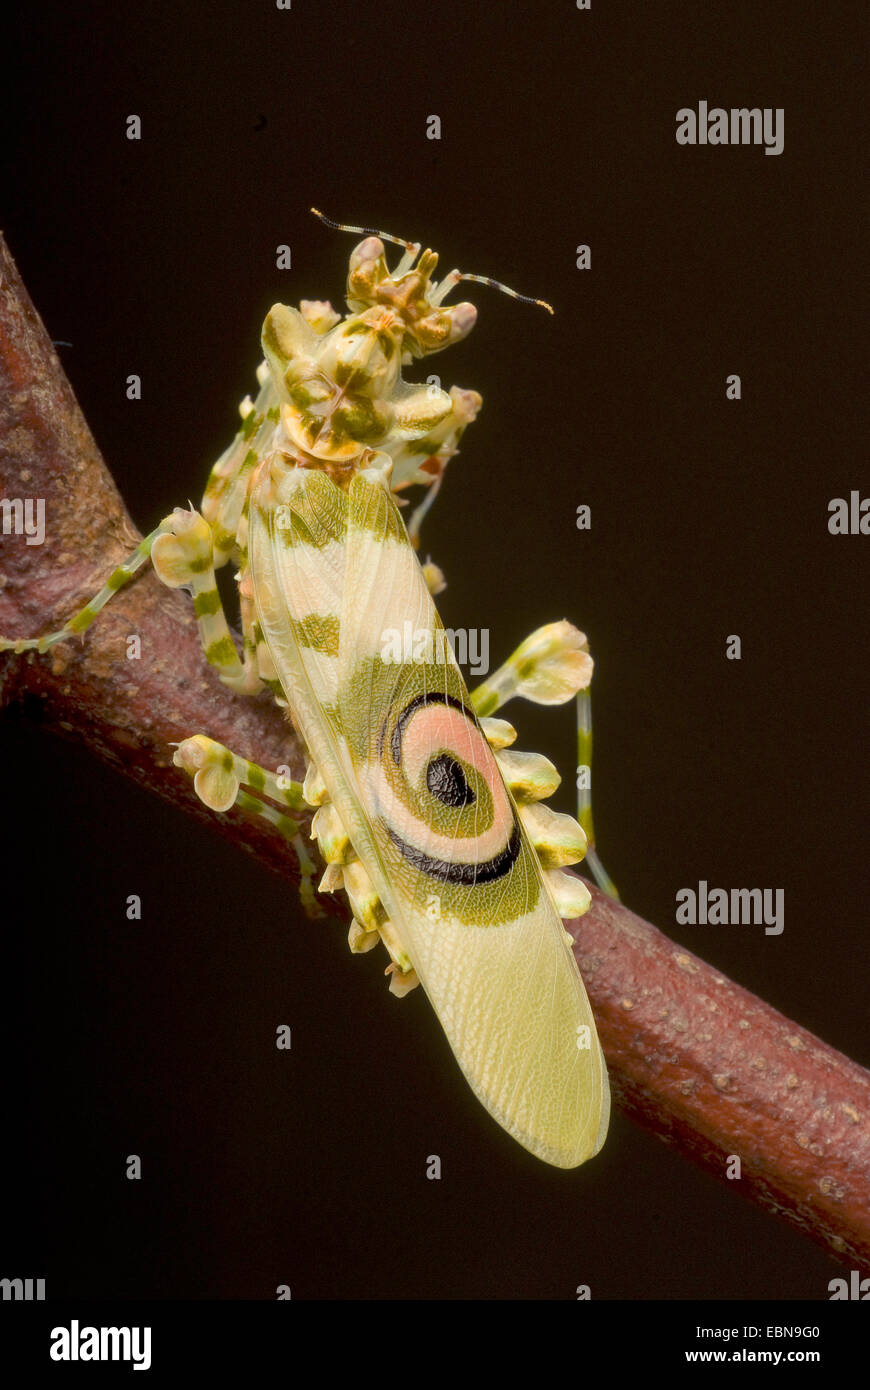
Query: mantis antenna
(455, 276)
(450, 280)
(367, 231)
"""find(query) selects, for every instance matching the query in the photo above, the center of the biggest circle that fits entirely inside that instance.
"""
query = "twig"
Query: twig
(693, 1057)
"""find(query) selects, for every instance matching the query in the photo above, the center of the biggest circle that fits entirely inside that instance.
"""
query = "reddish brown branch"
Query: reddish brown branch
(128, 712)
(693, 1057)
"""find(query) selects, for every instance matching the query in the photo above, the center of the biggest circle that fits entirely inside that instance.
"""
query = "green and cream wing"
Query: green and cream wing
(389, 723)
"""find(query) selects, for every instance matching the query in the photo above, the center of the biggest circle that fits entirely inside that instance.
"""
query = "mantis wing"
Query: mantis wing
(360, 652)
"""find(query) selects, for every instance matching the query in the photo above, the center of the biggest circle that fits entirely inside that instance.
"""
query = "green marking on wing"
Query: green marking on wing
(372, 509)
(319, 631)
(315, 516)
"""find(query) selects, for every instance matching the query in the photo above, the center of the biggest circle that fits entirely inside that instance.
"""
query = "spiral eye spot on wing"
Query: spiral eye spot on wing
(439, 794)
(447, 781)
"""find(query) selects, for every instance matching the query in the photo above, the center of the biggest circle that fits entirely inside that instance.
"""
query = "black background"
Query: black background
(709, 518)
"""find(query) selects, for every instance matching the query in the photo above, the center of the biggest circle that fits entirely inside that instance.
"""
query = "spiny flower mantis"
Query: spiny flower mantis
(426, 817)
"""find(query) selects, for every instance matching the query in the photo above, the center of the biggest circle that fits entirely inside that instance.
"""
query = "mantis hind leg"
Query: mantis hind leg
(584, 794)
(219, 779)
(81, 621)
